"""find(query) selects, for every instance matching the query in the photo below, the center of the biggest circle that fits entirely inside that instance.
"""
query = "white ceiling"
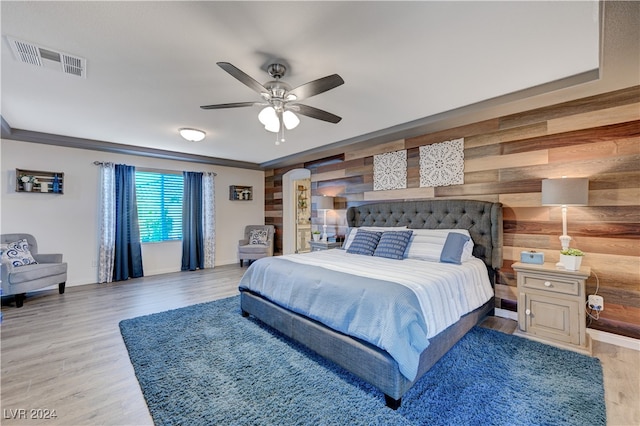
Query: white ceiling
(150, 65)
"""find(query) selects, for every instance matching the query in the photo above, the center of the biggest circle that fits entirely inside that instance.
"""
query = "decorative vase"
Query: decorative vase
(316, 237)
(28, 186)
(571, 263)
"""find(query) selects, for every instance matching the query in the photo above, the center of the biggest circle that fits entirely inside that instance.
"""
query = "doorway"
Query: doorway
(303, 215)
(296, 211)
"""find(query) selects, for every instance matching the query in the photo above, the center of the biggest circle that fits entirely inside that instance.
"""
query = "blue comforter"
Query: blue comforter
(383, 313)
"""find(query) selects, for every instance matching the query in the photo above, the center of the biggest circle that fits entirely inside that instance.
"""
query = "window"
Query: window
(159, 198)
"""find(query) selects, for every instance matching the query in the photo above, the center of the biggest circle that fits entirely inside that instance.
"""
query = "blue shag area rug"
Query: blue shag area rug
(207, 365)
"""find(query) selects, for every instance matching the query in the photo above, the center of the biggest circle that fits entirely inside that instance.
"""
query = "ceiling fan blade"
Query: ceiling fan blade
(231, 105)
(316, 87)
(314, 113)
(242, 77)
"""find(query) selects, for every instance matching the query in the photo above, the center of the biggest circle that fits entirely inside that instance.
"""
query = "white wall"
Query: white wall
(68, 223)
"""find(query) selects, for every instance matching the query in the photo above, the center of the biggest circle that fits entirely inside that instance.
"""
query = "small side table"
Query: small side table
(323, 245)
(551, 305)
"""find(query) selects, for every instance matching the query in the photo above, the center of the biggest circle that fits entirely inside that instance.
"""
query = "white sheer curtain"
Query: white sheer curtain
(208, 217)
(107, 237)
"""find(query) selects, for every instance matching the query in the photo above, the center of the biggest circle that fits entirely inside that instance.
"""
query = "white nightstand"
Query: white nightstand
(323, 245)
(551, 305)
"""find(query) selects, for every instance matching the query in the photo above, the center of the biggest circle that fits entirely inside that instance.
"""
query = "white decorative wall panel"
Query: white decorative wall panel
(442, 164)
(390, 171)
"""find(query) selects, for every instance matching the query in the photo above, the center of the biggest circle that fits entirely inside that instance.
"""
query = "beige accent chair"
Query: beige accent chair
(50, 270)
(248, 251)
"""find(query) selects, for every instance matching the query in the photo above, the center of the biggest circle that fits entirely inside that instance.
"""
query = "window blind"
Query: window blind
(159, 200)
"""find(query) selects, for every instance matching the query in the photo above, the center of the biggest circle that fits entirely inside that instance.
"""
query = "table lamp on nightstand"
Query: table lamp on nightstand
(324, 203)
(565, 192)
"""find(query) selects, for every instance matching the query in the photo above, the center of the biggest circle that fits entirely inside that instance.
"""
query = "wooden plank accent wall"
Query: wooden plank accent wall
(505, 160)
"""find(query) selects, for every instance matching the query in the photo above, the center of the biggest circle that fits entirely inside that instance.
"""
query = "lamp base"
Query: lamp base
(564, 241)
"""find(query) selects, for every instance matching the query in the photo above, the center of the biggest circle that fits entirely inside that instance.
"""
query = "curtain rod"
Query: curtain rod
(99, 163)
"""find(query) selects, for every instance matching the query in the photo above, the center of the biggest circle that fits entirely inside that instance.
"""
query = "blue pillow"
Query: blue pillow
(365, 242)
(453, 247)
(393, 244)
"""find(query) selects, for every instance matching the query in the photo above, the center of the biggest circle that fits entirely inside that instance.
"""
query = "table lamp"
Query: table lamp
(324, 203)
(565, 192)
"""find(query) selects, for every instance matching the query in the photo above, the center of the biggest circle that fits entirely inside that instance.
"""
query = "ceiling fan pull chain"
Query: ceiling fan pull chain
(280, 134)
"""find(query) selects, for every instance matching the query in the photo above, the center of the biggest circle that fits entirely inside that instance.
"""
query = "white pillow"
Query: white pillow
(427, 244)
(354, 231)
(17, 253)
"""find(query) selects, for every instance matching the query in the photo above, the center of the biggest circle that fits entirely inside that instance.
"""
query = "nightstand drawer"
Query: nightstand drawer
(551, 284)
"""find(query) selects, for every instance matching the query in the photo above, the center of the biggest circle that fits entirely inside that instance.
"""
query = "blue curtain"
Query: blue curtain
(192, 224)
(128, 249)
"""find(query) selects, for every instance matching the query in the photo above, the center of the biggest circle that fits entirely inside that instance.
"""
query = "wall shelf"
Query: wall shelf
(240, 193)
(48, 182)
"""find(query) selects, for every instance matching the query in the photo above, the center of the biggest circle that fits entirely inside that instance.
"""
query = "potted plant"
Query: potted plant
(28, 181)
(316, 235)
(571, 258)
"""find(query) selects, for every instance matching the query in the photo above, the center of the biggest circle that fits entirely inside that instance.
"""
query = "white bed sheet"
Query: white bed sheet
(445, 291)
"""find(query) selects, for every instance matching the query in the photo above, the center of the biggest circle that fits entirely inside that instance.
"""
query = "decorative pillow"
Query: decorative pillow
(258, 236)
(365, 242)
(17, 253)
(427, 244)
(393, 244)
(453, 248)
(351, 233)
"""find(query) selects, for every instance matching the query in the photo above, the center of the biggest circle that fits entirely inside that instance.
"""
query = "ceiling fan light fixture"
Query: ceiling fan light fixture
(291, 120)
(269, 118)
(276, 115)
(192, 135)
(272, 127)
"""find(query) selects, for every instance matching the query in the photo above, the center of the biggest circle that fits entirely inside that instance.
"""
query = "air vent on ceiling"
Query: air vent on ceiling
(33, 54)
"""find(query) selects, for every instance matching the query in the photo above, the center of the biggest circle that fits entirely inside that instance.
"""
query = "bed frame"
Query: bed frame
(482, 219)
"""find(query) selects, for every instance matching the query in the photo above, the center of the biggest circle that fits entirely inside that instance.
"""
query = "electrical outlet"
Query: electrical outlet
(595, 302)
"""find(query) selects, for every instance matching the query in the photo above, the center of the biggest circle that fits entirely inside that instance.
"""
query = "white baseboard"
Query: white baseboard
(222, 262)
(614, 339)
(600, 336)
(503, 313)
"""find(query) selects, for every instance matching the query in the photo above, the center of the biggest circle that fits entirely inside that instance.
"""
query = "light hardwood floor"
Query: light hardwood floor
(65, 352)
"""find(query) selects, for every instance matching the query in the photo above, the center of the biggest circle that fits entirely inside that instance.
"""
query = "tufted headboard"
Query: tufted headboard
(482, 219)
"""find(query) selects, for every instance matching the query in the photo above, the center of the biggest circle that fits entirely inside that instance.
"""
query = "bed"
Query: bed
(482, 220)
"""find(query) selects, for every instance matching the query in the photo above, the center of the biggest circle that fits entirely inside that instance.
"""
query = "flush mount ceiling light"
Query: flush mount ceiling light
(192, 135)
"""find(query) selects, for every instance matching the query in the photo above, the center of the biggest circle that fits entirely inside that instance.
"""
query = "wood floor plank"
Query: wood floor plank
(65, 352)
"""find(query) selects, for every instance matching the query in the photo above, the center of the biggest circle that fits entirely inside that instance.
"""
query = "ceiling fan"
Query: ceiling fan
(280, 101)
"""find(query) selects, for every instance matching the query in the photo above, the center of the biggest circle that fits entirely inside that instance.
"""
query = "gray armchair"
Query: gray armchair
(252, 250)
(18, 280)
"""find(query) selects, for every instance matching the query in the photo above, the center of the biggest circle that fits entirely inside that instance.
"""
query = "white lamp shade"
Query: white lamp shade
(291, 120)
(273, 127)
(269, 119)
(192, 135)
(565, 192)
(267, 115)
(323, 203)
